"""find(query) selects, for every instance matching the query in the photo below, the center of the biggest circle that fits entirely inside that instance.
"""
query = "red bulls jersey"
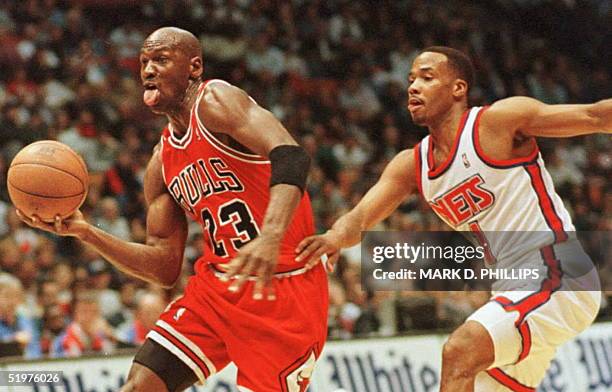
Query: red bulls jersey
(226, 191)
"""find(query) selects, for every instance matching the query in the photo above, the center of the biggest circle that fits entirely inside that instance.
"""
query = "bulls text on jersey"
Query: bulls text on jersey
(201, 179)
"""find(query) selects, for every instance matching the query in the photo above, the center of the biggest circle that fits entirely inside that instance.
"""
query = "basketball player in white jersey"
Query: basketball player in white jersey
(480, 170)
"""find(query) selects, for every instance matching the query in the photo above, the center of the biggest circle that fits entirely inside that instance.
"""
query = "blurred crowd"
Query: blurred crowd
(333, 71)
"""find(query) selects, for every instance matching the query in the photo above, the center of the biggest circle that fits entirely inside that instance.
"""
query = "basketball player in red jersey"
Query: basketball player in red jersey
(231, 166)
(480, 170)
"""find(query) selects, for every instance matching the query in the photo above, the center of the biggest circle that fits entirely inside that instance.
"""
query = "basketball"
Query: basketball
(47, 178)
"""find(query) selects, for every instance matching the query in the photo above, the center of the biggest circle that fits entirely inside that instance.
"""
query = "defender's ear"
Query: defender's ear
(196, 68)
(460, 89)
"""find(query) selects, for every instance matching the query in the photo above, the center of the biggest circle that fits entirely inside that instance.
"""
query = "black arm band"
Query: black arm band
(290, 165)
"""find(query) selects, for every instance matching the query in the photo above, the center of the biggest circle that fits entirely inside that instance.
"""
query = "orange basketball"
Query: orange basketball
(47, 178)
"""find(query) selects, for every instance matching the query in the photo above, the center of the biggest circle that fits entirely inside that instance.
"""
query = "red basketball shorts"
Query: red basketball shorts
(274, 344)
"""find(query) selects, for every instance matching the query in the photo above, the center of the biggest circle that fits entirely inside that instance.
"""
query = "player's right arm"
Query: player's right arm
(395, 184)
(158, 261)
(531, 117)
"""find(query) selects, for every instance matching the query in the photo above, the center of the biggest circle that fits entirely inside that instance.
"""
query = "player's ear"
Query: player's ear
(196, 68)
(460, 88)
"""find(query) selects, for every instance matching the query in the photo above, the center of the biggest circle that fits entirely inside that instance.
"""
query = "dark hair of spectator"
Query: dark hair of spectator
(458, 60)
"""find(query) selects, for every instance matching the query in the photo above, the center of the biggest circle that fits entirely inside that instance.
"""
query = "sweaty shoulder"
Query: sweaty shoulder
(404, 170)
(499, 129)
(154, 185)
(223, 107)
(509, 115)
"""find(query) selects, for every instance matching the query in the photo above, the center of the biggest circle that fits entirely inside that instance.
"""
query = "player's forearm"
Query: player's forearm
(284, 199)
(375, 207)
(601, 113)
(395, 184)
(149, 263)
(347, 229)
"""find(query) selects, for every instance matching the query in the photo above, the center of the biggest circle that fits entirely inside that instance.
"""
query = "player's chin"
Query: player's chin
(158, 108)
(418, 119)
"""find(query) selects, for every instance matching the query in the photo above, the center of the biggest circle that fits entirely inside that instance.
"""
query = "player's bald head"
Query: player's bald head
(175, 38)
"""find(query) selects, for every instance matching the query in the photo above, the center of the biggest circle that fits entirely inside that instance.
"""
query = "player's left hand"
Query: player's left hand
(257, 258)
(317, 248)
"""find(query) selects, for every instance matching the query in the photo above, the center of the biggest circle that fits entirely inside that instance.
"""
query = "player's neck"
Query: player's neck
(180, 117)
(444, 130)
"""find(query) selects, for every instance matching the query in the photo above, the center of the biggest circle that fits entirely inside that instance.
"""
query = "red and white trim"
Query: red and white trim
(532, 302)
(509, 382)
(161, 153)
(184, 349)
(181, 143)
(500, 163)
(278, 275)
(168, 345)
(432, 172)
(296, 377)
(188, 343)
(546, 203)
(216, 143)
(418, 164)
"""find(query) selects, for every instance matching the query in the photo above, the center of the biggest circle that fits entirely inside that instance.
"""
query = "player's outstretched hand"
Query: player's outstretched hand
(257, 258)
(74, 226)
(315, 248)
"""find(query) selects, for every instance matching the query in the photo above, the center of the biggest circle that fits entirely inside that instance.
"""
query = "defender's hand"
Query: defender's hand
(259, 257)
(74, 226)
(315, 247)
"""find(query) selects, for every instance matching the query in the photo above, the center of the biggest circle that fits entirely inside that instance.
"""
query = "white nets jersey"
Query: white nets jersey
(473, 192)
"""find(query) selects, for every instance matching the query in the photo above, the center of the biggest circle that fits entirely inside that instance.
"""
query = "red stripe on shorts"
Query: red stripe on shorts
(530, 303)
(507, 381)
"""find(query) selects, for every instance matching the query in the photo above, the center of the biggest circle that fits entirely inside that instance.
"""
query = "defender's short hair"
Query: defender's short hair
(458, 60)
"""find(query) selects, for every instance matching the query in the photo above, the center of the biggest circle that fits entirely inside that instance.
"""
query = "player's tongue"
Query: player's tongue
(151, 97)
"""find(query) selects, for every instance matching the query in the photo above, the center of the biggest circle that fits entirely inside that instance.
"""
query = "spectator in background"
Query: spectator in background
(47, 296)
(265, 58)
(328, 204)
(125, 315)
(3, 194)
(111, 221)
(4, 211)
(63, 275)
(88, 332)
(46, 256)
(100, 277)
(53, 323)
(350, 154)
(10, 256)
(150, 306)
(24, 237)
(80, 136)
(401, 60)
(121, 182)
(15, 326)
(358, 95)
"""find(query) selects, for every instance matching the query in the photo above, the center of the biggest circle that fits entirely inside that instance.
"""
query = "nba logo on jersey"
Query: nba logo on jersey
(466, 163)
(178, 314)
